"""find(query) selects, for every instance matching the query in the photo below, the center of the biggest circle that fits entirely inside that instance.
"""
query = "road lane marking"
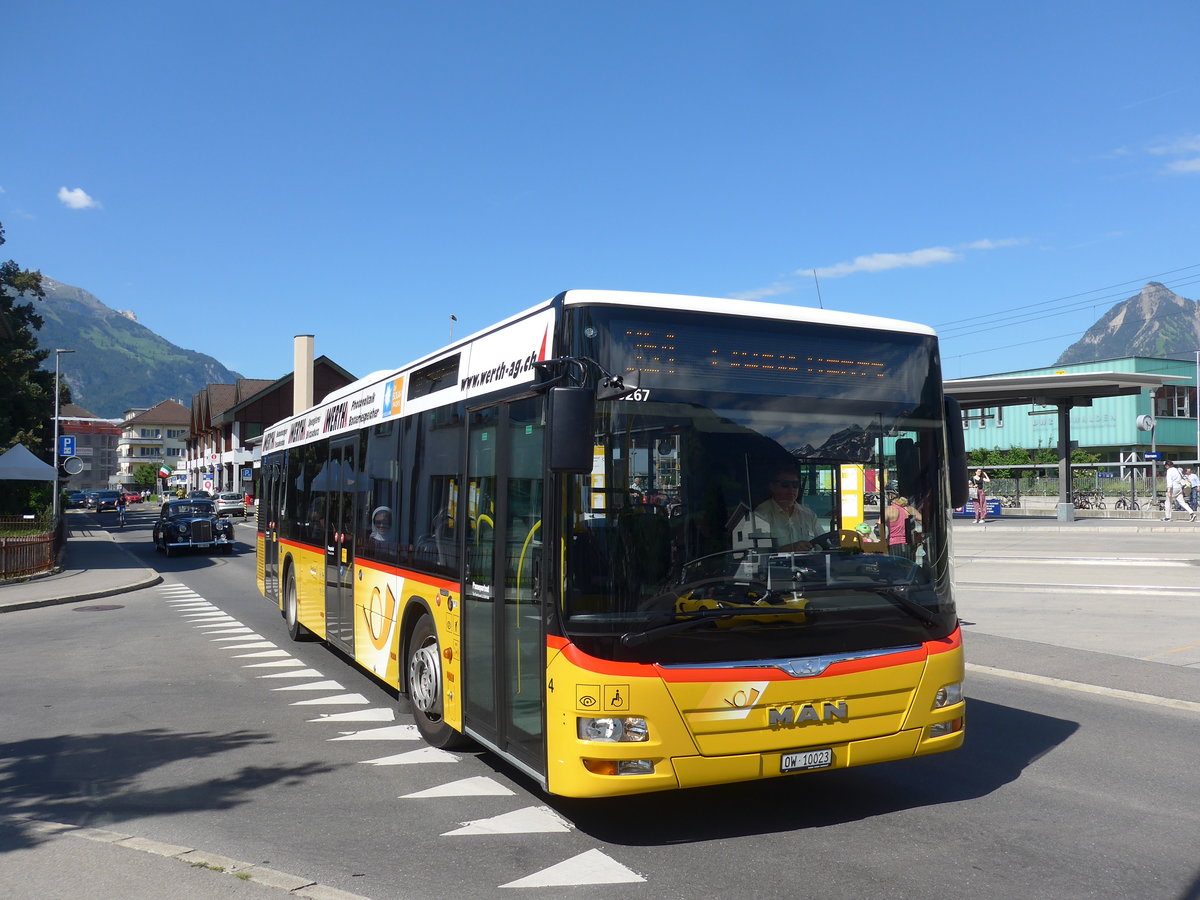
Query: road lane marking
(592, 867)
(530, 820)
(387, 733)
(338, 700)
(477, 786)
(379, 714)
(1171, 703)
(413, 757)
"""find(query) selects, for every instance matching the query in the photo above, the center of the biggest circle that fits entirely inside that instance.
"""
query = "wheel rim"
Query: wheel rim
(290, 602)
(425, 678)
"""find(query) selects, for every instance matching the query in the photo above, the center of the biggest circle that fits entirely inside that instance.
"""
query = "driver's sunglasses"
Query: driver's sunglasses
(383, 522)
(789, 484)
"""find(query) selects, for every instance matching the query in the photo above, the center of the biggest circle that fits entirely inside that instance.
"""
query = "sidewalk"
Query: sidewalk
(94, 565)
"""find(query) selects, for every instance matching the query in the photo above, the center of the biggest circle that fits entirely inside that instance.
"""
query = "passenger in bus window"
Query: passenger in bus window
(381, 524)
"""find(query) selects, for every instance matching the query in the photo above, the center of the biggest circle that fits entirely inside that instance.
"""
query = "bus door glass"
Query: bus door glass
(502, 583)
(340, 483)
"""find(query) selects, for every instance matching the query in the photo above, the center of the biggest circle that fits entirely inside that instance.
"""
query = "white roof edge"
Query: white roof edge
(752, 308)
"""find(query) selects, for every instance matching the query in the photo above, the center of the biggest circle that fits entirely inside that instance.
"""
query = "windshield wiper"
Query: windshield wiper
(637, 638)
(914, 609)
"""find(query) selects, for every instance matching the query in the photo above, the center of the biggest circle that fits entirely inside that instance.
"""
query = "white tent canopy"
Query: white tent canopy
(18, 464)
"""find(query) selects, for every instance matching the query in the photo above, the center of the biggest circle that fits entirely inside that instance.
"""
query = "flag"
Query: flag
(164, 471)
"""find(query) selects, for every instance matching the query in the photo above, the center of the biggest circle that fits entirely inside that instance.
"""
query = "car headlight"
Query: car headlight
(611, 729)
(181, 529)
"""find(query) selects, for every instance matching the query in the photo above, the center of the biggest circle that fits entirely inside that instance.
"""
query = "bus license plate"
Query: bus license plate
(806, 760)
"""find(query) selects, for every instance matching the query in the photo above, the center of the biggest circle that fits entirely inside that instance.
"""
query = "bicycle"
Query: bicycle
(1127, 503)
(120, 516)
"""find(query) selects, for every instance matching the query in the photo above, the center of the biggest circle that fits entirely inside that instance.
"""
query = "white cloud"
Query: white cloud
(1178, 146)
(882, 262)
(1184, 166)
(771, 290)
(76, 199)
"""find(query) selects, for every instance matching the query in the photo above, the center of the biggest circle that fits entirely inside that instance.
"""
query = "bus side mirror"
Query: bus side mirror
(572, 429)
(956, 451)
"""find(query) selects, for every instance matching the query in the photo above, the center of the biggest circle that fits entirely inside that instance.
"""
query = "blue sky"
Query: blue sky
(237, 173)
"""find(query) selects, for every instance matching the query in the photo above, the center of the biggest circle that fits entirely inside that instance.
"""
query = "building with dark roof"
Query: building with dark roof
(227, 422)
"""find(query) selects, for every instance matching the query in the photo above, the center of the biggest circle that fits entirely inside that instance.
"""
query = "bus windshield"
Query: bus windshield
(772, 490)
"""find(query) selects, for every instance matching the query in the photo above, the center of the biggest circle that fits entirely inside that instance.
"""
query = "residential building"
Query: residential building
(151, 437)
(96, 442)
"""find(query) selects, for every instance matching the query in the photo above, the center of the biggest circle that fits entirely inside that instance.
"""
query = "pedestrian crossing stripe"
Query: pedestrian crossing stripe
(478, 786)
(413, 757)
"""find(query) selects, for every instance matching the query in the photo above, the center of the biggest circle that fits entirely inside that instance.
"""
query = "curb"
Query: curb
(247, 871)
(74, 598)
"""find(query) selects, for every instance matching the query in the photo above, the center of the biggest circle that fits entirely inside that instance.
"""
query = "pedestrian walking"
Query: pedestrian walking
(1175, 488)
(1193, 479)
(979, 493)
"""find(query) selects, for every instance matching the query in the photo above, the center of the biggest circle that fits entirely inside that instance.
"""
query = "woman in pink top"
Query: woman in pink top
(897, 528)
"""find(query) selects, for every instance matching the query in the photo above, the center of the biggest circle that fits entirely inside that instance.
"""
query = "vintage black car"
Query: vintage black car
(191, 523)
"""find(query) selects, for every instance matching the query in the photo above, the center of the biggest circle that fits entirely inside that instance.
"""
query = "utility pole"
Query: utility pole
(56, 502)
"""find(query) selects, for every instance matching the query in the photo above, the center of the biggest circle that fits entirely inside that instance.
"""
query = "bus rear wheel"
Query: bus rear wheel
(291, 609)
(425, 699)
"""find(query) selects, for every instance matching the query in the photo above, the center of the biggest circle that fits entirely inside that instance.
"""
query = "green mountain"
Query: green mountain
(117, 364)
(1155, 322)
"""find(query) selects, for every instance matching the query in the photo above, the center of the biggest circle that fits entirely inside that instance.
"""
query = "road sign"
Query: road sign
(1105, 475)
(66, 445)
(247, 474)
(1151, 455)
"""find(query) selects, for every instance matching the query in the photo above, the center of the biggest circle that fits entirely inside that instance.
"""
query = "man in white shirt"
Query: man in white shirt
(1175, 494)
(792, 525)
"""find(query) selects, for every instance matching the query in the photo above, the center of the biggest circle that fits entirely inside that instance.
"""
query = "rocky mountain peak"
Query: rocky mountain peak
(1154, 322)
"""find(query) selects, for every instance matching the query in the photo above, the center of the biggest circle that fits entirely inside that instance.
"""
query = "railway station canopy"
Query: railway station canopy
(1064, 391)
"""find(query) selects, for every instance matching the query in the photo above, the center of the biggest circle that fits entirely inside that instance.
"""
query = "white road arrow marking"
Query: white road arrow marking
(530, 820)
(413, 757)
(339, 700)
(280, 663)
(311, 686)
(388, 733)
(592, 867)
(479, 786)
(379, 714)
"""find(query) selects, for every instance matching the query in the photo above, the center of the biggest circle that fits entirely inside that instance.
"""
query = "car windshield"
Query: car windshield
(191, 508)
(742, 510)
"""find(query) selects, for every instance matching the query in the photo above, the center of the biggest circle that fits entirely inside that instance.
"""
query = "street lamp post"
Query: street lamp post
(57, 355)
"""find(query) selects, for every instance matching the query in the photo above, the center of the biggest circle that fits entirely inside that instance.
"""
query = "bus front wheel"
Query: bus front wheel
(425, 687)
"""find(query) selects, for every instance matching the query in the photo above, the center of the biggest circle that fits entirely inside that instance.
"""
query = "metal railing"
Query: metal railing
(27, 547)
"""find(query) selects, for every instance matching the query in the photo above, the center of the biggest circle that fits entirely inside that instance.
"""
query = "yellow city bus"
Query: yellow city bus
(556, 538)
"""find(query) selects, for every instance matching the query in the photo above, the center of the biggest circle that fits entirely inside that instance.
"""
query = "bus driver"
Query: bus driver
(792, 524)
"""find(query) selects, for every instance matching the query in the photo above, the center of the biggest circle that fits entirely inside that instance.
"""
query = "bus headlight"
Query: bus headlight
(948, 695)
(612, 730)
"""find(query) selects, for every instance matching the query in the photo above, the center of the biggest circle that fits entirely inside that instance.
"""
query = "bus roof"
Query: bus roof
(752, 308)
(483, 344)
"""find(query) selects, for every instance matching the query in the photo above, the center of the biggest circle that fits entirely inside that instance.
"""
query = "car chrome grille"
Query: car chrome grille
(202, 531)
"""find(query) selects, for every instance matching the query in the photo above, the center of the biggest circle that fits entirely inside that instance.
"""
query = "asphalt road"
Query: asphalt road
(157, 718)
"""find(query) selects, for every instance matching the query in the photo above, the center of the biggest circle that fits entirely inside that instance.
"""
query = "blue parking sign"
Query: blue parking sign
(66, 445)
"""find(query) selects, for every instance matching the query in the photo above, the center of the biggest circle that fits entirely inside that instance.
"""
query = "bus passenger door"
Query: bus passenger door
(503, 657)
(270, 511)
(341, 479)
